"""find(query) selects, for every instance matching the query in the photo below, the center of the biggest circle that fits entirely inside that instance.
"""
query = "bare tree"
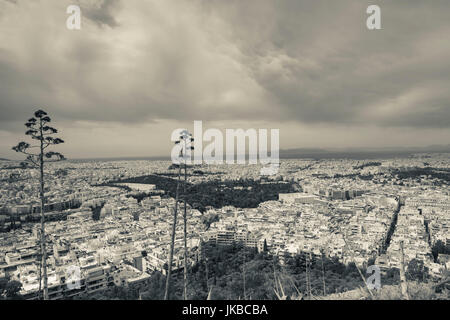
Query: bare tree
(38, 129)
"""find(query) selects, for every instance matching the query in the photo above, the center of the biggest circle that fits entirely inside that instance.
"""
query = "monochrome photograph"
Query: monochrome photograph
(228, 156)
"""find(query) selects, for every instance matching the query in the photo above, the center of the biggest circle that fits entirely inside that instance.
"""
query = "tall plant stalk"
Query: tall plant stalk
(172, 241)
(39, 129)
(185, 230)
(185, 136)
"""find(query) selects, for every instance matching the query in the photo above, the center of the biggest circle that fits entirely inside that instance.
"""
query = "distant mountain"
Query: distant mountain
(432, 148)
(3, 159)
(156, 158)
(317, 153)
(360, 153)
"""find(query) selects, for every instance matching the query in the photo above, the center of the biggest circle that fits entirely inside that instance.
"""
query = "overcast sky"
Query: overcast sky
(139, 69)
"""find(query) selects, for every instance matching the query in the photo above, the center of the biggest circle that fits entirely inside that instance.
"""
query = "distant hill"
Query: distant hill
(360, 153)
(3, 159)
(316, 153)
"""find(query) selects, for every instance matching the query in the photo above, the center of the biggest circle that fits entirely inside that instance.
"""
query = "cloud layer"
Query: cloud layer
(305, 62)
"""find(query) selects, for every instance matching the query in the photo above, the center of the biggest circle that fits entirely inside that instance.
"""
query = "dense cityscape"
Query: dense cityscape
(112, 220)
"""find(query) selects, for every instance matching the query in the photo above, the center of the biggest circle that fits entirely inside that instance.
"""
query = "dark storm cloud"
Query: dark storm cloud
(308, 61)
(322, 65)
(101, 12)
